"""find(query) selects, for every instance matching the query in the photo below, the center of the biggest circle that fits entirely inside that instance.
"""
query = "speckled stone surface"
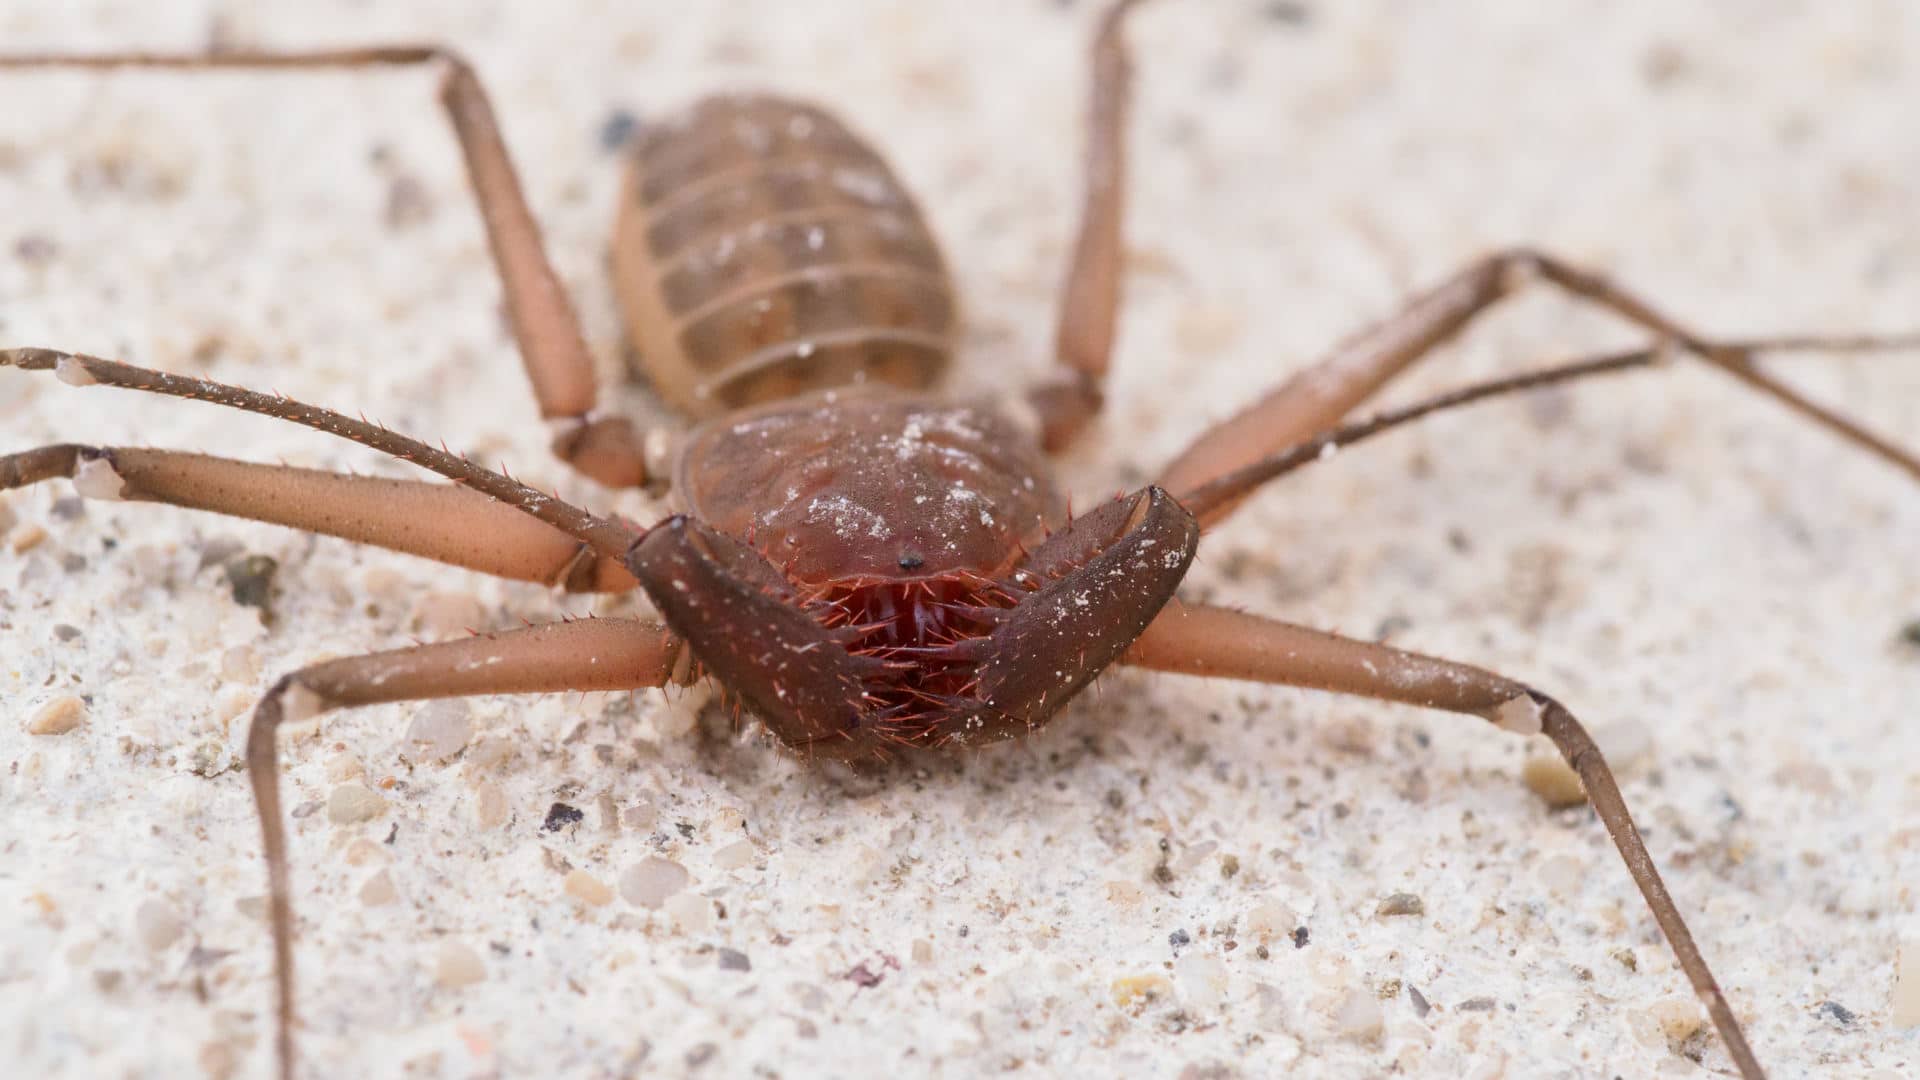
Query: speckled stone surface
(1177, 878)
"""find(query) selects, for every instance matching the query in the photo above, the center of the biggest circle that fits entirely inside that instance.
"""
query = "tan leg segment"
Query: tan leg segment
(1316, 398)
(545, 325)
(1201, 640)
(607, 537)
(1090, 297)
(443, 522)
(591, 654)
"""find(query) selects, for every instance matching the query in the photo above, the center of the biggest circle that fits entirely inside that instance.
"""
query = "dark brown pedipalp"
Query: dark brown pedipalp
(744, 623)
(1118, 566)
(952, 659)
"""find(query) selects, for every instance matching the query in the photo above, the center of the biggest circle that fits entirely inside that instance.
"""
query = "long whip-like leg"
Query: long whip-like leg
(444, 522)
(1317, 397)
(545, 326)
(605, 536)
(590, 654)
(1203, 640)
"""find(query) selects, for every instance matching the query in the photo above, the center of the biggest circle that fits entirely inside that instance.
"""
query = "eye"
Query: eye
(911, 560)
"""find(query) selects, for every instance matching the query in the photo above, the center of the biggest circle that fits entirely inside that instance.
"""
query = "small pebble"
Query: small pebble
(455, 965)
(1563, 875)
(1270, 919)
(490, 752)
(1203, 980)
(691, 912)
(734, 960)
(1357, 1016)
(57, 716)
(240, 664)
(1674, 1018)
(378, 889)
(439, 729)
(351, 804)
(1906, 984)
(25, 537)
(639, 816)
(345, 766)
(649, 882)
(588, 889)
(489, 805)
(1554, 781)
(97, 479)
(1401, 903)
(157, 924)
(734, 855)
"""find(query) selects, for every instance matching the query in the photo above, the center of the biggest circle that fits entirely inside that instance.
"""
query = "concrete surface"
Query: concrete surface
(1717, 587)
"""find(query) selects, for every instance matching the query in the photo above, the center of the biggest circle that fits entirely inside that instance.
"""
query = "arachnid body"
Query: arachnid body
(1192, 979)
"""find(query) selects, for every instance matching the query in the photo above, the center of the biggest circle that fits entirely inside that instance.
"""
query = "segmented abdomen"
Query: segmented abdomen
(763, 250)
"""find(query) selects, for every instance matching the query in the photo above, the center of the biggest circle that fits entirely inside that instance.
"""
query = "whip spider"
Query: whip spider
(1596, 687)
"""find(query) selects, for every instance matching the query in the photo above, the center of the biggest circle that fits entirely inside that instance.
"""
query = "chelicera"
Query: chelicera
(863, 564)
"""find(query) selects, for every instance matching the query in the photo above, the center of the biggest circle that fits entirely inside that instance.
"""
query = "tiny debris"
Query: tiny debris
(211, 759)
(1475, 1004)
(57, 716)
(1401, 903)
(455, 965)
(864, 977)
(407, 202)
(1554, 781)
(649, 882)
(1419, 1001)
(1910, 633)
(1300, 937)
(1179, 939)
(587, 889)
(251, 577)
(560, 816)
(35, 249)
(1130, 991)
(1837, 1012)
(1290, 13)
(617, 128)
(734, 960)
(351, 804)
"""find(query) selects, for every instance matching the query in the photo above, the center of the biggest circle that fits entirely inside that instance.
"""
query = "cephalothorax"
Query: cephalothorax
(863, 564)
